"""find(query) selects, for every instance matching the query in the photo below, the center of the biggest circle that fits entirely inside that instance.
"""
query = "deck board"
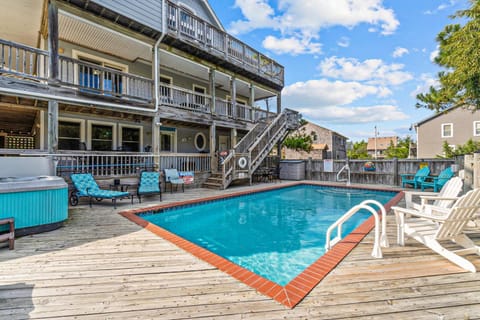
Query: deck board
(101, 265)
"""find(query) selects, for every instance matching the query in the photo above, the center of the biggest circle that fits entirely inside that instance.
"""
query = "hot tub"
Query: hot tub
(38, 204)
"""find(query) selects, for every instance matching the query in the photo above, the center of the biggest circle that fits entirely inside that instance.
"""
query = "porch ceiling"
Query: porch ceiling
(16, 121)
(85, 33)
(21, 21)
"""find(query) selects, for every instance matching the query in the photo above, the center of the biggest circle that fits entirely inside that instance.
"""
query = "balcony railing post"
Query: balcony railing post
(53, 40)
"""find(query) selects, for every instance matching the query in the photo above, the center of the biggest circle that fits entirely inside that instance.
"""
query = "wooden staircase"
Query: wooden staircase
(248, 153)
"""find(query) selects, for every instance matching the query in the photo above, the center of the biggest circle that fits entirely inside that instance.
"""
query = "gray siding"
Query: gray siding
(429, 133)
(147, 12)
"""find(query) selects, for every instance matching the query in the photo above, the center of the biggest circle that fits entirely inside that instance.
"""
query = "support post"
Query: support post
(213, 93)
(309, 168)
(251, 100)
(53, 41)
(233, 86)
(52, 132)
(395, 171)
(213, 150)
(156, 140)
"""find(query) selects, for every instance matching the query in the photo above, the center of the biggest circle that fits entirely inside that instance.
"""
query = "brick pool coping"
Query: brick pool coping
(297, 289)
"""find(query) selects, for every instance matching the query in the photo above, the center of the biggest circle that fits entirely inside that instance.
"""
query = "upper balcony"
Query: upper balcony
(195, 33)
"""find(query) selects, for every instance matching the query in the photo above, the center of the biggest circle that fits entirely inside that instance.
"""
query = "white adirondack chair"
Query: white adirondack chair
(445, 198)
(442, 224)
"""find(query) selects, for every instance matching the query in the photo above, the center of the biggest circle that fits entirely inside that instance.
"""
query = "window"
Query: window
(447, 130)
(130, 139)
(92, 74)
(476, 128)
(69, 135)
(200, 141)
(102, 137)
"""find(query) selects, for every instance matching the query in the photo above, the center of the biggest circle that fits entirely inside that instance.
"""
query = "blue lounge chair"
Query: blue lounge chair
(149, 183)
(172, 177)
(415, 179)
(437, 182)
(86, 186)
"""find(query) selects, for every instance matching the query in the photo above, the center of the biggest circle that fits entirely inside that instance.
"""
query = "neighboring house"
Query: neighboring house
(327, 144)
(377, 146)
(455, 125)
(155, 79)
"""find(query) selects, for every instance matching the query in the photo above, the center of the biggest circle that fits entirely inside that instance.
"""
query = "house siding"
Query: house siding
(147, 12)
(429, 133)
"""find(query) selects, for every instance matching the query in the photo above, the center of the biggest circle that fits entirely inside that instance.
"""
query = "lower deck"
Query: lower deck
(101, 265)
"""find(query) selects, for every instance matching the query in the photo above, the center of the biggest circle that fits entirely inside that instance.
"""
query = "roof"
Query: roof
(320, 146)
(435, 115)
(316, 125)
(382, 142)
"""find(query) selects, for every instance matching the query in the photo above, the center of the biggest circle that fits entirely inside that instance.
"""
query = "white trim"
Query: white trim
(120, 136)
(170, 79)
(77, 54)
(443, 130)
(103, 123)
(204, 141)
(475, 123)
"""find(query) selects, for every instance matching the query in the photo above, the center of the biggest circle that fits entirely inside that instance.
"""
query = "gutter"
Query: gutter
(156, 69)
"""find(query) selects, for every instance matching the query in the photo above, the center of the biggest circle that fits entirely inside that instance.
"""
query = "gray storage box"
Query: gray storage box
(292, 170)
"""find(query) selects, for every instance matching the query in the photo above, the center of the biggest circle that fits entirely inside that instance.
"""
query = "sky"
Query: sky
(350, 65)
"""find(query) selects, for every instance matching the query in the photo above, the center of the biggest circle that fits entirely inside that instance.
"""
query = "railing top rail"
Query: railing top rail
(269, 128)
(23, 46)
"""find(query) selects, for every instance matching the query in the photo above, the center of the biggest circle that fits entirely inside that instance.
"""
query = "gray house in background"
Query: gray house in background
(455, 125)
(327, 144)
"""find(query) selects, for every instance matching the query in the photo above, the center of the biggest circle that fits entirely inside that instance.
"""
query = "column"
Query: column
(211, 77)
(233, 88)
(156, 140)
(213, 147)
(52, 126)
(53, 40)
(251, 101)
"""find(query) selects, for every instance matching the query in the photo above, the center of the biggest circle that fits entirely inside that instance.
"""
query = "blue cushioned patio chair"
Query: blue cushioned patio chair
(86, 186)
(415, 179)
(149, 183)
(172, 177)
(437, 182)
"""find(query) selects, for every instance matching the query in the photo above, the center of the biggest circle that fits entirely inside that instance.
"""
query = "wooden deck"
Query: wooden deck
(103, 266)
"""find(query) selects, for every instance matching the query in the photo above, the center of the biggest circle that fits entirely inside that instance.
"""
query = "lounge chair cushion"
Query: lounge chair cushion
(149, 183)
(87, 187)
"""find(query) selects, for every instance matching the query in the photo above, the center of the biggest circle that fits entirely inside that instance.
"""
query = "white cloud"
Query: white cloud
(434, 54)
(292, 45)
(322, 93)
(427, 81)
(301, 21)
(353, 115)
(343, 42)
(441, 7)
(399, 52)
(373, 71)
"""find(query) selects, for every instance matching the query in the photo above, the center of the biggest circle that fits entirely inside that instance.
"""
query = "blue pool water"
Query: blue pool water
(276, 234)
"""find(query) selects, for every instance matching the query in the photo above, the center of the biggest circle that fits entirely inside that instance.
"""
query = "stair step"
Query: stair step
(210, 185)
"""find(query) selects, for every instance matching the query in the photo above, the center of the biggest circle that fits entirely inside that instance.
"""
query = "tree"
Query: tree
(401, 150)
(358, 151)
(469, 147)
(459, 54)
(299, 142)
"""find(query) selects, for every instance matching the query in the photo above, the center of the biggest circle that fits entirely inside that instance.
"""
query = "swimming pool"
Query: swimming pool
(276, 234)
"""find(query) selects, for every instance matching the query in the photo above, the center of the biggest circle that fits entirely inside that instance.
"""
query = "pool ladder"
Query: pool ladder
(380, 239)
(347, 168)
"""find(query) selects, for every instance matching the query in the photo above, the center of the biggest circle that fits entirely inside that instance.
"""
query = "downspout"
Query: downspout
(156, 69)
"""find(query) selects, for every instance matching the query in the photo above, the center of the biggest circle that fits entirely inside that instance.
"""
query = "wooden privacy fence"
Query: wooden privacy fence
(387, 171)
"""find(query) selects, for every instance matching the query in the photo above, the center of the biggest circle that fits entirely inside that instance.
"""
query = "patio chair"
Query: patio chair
(442, 224)
(86, 186)
(172, 177)
(445, 198)
(10, 234)
(415, 179)
(149, 183)
(437, 182)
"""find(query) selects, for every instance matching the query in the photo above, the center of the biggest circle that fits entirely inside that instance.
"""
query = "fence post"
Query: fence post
(309, 168)
(395, 171)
